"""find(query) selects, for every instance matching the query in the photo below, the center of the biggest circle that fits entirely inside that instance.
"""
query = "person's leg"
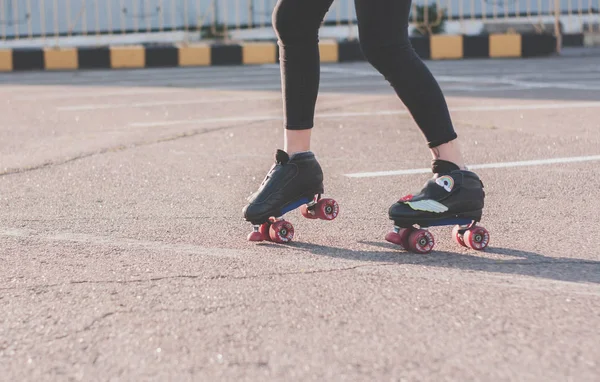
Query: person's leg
(383, 29)
(295, 141)
(296, 177)
(453, 195)
(296, 23)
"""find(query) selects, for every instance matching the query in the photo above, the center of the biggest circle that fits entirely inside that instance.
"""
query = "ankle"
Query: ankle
(296, 141)
(449, 152)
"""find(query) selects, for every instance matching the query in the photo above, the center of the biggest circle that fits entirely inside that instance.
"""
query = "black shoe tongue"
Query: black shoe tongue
(281, 157)
(440, 166)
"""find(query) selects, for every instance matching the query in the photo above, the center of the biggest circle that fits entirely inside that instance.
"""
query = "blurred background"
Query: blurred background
(45, 23)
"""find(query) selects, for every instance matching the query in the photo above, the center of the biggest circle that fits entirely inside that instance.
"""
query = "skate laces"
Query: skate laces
(281, 158)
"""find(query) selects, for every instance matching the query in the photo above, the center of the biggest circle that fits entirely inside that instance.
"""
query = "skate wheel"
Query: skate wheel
(399, 238)
(327, 209)
(477, 238)
(307, 213)
(421, 241)
(281, 231)
(458, 235)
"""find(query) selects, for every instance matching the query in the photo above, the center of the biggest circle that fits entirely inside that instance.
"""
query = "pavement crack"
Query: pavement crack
(204, 310)
(332, 270)
(119, 148)
(490, 262)
(257, 364)
(222, 277)
(194, 277)
(97, 319)
(20, 170)
(90, 325)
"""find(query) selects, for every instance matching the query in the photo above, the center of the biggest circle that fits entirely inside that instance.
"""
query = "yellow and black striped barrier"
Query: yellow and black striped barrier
(437, 47)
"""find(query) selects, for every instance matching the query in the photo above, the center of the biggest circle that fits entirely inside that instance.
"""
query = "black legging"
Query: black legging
(383, 31)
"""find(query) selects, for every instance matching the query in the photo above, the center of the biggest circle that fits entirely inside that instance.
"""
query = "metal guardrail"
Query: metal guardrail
(48, 21)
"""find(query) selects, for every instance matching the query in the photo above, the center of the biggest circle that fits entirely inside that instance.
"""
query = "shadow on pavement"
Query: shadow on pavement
(525, 264)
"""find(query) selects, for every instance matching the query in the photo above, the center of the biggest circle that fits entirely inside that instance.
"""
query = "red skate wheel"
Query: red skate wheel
(327, 209)
(306, 213)
(264, 230)
(477, 238)
(458, 235)
(399, 238)
(281, 231)
(421, 241)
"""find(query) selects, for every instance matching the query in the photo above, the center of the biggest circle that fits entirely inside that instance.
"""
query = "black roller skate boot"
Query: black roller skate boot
(292, 182)
(451, 197)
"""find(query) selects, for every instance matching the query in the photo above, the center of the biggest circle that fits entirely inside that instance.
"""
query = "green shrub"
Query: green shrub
(436, 20)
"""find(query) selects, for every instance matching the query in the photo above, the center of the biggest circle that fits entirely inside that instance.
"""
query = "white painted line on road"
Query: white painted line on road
(164, 103)
(338, 83)
(206, 120)
(188, 81)
(478, 80)
(188, 85)
(521, 84)
(62, 93)
(539, 162)
(541, 106)
(127, 243)
(118, 77)
(538, 106)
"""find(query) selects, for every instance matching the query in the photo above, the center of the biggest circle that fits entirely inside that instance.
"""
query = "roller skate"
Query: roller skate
(451, 197)
(292, 182)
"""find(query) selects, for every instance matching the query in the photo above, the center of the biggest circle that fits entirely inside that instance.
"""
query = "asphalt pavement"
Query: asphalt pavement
(123, 250)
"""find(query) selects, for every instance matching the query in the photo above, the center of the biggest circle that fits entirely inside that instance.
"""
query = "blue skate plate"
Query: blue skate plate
(293, 205)
(450, 221)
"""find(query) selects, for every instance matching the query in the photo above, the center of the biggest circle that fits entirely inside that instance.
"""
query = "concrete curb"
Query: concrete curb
(437, 47)
(587, 39)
